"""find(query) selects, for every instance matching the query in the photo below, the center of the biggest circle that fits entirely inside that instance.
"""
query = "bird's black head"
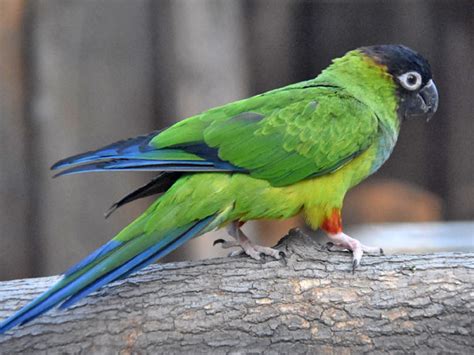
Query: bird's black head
(412, 74)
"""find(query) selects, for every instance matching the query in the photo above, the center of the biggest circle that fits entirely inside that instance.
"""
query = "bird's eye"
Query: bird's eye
(410, 80)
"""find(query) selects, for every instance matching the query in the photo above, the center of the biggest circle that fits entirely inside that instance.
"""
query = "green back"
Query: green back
(299, 131)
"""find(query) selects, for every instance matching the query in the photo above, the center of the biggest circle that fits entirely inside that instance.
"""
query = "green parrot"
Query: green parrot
(293, 150)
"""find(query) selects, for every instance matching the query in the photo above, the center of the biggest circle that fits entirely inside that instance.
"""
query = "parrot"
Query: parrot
(289, 151)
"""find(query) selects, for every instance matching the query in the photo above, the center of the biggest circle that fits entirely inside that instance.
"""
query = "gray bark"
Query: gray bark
(311, 303)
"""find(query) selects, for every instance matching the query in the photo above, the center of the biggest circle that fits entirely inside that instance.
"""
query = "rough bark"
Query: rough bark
(310, 303)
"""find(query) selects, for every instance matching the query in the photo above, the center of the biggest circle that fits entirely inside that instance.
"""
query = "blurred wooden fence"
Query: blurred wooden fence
(75, 75)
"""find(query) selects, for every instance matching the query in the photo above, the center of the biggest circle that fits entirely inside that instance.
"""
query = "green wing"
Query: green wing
(282, 136)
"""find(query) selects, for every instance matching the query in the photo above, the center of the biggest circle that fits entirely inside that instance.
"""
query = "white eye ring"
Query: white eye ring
(410, 80)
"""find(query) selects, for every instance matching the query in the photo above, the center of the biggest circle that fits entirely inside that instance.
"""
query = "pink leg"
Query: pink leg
(343, 241)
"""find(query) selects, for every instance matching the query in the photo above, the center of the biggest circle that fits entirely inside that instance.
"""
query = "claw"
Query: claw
(329, 245)
(218, 241)
(355, 264)
(226, 244)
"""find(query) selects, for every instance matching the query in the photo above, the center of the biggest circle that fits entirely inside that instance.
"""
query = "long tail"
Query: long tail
(114, 260)
(136, 246)
(139, 155)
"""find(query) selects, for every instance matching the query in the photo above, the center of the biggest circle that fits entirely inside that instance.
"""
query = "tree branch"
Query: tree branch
(313, 303)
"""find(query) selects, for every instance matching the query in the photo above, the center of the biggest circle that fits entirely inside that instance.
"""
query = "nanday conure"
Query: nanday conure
(297, 149)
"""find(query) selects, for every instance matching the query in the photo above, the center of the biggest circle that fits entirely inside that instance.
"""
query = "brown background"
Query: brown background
(75, 75)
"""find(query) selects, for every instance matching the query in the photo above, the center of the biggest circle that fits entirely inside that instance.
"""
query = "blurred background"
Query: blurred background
(75, 75)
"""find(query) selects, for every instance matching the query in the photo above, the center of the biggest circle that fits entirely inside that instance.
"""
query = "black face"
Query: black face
(418, 96)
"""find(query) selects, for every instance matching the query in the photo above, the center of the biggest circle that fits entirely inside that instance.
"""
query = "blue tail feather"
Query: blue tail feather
(100, 252)
(88, 282)
(139, 262)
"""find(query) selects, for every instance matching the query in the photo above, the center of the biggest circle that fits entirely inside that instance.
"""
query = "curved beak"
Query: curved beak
(429, 96)
(424, 104)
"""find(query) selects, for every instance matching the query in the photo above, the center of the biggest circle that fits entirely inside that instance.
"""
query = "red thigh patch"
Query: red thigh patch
(333, 223)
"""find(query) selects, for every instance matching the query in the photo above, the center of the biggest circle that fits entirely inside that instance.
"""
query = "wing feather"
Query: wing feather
(283, 136)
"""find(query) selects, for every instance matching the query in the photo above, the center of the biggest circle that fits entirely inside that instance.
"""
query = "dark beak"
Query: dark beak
(424, 104)
(429, 96)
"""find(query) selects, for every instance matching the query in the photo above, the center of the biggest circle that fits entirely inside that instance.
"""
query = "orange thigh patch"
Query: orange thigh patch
(333, 223)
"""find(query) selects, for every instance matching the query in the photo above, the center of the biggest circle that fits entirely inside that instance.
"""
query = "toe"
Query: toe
(225, 244)
(268, 251)
(330, 246)
(343, 241)
(235, 253)
(249, 252)
(372, 250)
(253, 254)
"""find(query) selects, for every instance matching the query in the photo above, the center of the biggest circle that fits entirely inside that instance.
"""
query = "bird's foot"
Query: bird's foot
(341, 241)
(249, 248)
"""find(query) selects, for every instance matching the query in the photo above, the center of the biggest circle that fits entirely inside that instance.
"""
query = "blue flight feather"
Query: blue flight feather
(151, 165)
(137, 154)
(130, 146)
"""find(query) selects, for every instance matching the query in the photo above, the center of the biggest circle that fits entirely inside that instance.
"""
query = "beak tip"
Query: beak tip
(430, 97)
